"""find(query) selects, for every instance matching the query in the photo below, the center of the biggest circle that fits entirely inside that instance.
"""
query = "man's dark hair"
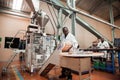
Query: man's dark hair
(64, 28)
(65, 31)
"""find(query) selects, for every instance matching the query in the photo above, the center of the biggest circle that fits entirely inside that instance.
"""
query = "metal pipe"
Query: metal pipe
(78, 19)
(73, 16)
(30, 3)
(71, 7)
(85, 14)
(54, 12)
(112, 20)
(65, 19)
(60, 23)
(52, 24)
(52, 15)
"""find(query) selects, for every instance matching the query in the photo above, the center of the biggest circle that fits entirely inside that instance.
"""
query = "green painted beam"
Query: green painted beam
(79, 20)
(73, 17)
(112, 19)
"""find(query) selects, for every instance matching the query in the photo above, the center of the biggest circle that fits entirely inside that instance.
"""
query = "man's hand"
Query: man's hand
(67, 47)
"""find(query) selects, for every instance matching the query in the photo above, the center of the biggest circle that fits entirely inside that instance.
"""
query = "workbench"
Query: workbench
(111, 51)
(78, 61)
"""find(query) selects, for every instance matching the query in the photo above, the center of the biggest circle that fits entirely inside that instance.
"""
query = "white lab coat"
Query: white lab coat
(70, 38)
(104, 45)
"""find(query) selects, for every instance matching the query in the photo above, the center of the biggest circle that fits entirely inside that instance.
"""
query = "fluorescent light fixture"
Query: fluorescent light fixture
(17, 4)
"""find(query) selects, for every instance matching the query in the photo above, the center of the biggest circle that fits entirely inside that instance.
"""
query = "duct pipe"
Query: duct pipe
(85, 14)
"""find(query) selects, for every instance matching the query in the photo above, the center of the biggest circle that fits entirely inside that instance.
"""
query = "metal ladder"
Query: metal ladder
(10, 60)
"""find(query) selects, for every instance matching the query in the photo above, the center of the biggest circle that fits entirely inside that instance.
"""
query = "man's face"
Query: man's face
(65, 31)
(102, 39)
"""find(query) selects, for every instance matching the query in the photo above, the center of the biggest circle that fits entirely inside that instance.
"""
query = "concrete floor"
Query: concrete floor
(54, 73)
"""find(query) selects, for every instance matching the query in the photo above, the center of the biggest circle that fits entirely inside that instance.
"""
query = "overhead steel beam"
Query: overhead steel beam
(73, 15)
(60, 22)
(116, 17)
(80, 12)
(77, 2)
(81, 22)
(96, 7)
(30, 3)
(111, 1)
(116, 8)
(92, 17)
(14, 13)
(112, 19)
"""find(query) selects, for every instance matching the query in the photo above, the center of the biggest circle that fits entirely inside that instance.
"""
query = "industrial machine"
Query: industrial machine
(39, 45)
(38, 49)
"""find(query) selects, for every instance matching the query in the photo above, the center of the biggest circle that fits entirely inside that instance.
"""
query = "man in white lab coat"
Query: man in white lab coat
(70, 43)
(104, 45)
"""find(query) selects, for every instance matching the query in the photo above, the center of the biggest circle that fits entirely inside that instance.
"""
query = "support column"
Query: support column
(112, 20)
(60, 23)
(119, 59)
(73, 17)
